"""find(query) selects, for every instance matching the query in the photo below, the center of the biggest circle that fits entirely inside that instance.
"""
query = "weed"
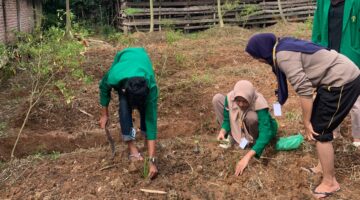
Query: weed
(120, 38)
(202, 79)
(2, 129)
(132, 11)
(54, 155)
(293, 116)
(39, 155)
(173, 36)
(179, 58)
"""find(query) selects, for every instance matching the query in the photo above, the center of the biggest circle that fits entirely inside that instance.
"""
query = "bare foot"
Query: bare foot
(325, 190)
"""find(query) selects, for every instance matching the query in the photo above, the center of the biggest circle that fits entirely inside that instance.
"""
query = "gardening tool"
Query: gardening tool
(110, 140)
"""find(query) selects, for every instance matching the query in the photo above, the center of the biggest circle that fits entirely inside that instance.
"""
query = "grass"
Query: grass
(54, 155)
(199, 79)
(293, 116)
(2, 129)
(173, 36)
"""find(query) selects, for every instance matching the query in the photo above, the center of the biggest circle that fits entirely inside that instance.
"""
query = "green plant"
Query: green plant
(173, 36)
(48, 59)
(2, 129)
(39, 155)
(120, 38)
(292, 116)
(180, 58)
(146, 168)
(132, 11)
(54, 155)
(205, 78)
(246, 12)
(167, 24)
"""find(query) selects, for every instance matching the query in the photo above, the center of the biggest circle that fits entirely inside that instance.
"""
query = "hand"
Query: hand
(152, 171)
(103, 120)
(221, 135)
(309, 131)
(242, 164)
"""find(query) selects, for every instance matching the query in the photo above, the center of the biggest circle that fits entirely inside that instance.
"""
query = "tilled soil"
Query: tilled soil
(62, 153)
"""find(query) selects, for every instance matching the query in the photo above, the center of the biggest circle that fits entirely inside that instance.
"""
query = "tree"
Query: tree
(151, 16)
(221, 21)
(68, 20)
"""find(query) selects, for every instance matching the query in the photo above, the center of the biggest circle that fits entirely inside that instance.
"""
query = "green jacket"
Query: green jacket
(350, 39)
(133, 62)
(267, 128)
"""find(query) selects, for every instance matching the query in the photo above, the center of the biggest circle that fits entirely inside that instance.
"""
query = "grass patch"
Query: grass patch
(200, 79)
(292, 116)
(173, 36)
(54, 155)
(2, 129)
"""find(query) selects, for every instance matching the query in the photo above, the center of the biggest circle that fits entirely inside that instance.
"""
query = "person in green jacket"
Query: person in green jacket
(337, 26)
(244, 113)
(132, 76)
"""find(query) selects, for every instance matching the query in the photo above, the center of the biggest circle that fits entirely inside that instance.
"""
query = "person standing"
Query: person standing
(306, 66)
(337, 26)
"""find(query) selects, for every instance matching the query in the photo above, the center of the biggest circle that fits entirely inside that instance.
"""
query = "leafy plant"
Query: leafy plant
(173, 36)
(48, 59)
(132, 11)
(54, 155)
(2, 129)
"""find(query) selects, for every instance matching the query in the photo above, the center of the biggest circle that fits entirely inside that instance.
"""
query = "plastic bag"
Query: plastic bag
(289, 143)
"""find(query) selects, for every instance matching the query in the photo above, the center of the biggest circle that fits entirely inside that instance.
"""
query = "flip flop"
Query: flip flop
(326, 194)
(309, 170)
(135, 157)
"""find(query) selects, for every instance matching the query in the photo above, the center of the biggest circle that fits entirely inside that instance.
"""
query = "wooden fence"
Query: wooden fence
(201, 14)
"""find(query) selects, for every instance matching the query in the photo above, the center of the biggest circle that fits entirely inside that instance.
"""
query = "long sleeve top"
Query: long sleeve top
(133, 62)
(266, 124)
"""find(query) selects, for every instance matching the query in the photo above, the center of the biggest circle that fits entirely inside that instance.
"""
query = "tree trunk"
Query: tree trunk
(68, 21)
(151, 16)
(221, 21)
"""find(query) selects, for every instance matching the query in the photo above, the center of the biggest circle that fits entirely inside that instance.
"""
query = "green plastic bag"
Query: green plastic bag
(289, 143)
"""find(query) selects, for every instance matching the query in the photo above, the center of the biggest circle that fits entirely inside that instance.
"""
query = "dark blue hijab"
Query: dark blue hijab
(261, 46)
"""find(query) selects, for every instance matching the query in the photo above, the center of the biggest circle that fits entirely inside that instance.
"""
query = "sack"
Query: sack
(289, 143)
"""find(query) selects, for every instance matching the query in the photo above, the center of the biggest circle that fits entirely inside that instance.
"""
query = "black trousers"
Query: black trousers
(331, 106)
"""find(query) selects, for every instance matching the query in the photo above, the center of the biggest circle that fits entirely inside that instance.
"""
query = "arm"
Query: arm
(151, 128)
(307, 105)
(267, 131)
(151, 114)
(105, 96)
(104, 117)
(225, 126)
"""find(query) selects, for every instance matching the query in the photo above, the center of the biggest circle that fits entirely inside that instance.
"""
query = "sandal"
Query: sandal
(309, 170)
(135, 157)
(325, 194)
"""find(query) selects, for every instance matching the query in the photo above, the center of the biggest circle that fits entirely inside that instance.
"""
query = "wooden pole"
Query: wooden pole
(5, 25)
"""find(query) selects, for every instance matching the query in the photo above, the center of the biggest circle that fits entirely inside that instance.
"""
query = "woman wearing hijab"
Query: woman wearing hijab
(307, 66)
(244, 113)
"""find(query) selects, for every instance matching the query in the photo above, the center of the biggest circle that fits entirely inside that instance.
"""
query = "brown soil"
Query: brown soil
(189, 72)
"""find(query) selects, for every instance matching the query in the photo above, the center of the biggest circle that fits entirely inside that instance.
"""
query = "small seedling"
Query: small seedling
(146, 168)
